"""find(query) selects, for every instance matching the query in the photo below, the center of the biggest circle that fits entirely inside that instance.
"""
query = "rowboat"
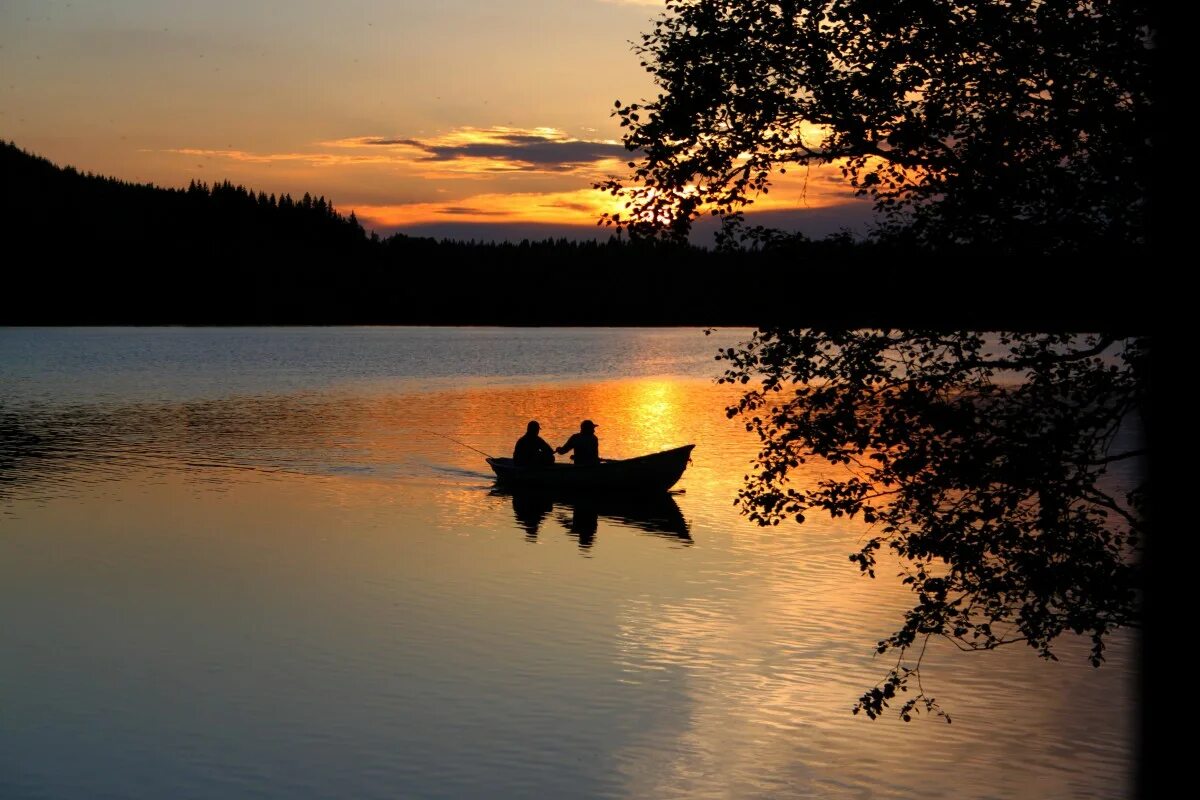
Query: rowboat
(656, 472)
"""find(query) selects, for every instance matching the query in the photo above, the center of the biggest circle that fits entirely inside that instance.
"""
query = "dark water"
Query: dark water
(239, 563)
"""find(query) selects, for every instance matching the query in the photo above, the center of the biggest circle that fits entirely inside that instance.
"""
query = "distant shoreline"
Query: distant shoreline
(100, 251)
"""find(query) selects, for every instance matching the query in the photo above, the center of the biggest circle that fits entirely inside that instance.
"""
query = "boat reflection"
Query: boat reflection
(580, 513)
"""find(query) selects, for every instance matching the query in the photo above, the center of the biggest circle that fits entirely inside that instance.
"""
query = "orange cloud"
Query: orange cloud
(312, 159)
(461, 153)
(500, 149)
(579, 207)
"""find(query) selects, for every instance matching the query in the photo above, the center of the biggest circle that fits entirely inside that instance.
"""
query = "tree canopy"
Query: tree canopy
(1023, 125)
(983, 463)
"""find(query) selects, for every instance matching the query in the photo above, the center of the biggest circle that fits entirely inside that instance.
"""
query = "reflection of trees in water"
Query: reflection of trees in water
(580, 514)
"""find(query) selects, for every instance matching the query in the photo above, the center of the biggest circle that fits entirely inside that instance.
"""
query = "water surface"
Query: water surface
(243, 563)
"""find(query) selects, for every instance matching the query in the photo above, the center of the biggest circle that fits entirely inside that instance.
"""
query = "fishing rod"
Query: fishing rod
(456, 441)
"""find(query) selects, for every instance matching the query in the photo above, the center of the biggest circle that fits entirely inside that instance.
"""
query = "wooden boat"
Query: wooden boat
(656, 472)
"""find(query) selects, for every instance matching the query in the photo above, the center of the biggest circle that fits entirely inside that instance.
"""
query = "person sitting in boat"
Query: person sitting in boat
(532, 450)
(585, 444)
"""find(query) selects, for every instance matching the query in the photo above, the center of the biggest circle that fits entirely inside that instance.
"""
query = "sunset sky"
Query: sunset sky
(468, 118)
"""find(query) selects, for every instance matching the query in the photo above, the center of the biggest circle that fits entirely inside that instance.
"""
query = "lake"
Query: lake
(247, 563)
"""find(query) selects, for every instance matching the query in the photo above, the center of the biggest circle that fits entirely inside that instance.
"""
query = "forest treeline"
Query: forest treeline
(87, 249)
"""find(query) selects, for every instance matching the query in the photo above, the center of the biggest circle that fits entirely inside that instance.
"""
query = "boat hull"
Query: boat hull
(656, 472)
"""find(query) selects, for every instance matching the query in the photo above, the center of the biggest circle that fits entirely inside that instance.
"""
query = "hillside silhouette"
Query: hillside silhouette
(88, 249)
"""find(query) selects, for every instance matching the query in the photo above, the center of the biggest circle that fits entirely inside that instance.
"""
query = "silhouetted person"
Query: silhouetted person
(532, 450)
(585, 444)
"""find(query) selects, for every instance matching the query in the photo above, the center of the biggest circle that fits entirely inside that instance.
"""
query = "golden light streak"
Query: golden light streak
(471, 166)
(465, 135)
(579, 207)
(444, 156)
(312, 159)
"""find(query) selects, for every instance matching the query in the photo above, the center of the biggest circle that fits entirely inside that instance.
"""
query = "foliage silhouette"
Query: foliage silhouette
(982, 462)
(1019, 127)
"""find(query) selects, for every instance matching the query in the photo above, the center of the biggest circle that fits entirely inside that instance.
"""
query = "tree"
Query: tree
(1019, 125)
(982, 462)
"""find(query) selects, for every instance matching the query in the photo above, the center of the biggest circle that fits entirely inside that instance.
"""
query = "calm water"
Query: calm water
(237, 563)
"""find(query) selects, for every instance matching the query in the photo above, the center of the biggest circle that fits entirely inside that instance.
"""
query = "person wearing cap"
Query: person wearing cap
(585, 444)
(532, 450)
